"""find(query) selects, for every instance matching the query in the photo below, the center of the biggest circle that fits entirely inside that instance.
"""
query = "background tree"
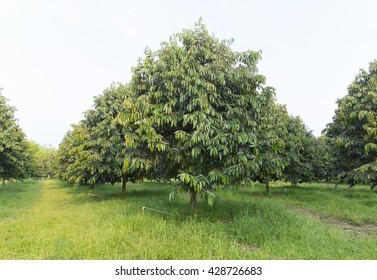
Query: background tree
(287, 150)
(198, 104)
(304, 153)
(353, 132)
(72, 164)
(270, 146)
(13, 144)
(94, 152)
(107, 138)
(328, 164)
(41, 160)
(63, 159)
(296, 167)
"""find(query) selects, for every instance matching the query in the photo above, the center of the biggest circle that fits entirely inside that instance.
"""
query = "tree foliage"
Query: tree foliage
(304, 153)
(197, 104)
(94, 151)
(41, 160)
(353, 132)
(287, 150)
(13, 144)
(72, 164)
(270, 145)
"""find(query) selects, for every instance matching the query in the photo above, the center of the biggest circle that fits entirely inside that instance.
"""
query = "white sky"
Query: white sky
(56, 55)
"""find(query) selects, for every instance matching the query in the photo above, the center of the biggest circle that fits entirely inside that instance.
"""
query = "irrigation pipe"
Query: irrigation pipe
(154, 210)
(89, 194)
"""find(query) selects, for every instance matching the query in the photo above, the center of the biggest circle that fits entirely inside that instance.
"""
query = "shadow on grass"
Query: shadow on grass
(355, 192)
(135, 193)
(156, 196)
(18, 196)
(228, 206)
(17, 187)
(12, 189)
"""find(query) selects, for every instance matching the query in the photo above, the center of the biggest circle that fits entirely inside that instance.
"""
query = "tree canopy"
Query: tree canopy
(13, 144)
(198, 104)
(41, 160)
(93, 152)
(353, 132)
(287, 150)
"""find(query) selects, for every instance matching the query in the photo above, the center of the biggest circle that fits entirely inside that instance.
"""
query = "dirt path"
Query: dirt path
(362, 230)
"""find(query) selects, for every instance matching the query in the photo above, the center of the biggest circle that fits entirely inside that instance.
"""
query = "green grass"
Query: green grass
(50, 220)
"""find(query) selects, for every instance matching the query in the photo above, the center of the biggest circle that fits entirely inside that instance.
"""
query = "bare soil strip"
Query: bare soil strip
(365, 229)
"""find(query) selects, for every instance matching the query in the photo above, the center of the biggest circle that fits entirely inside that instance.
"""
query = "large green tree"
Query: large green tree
(353, 132)
(13, 144)
(196, 105)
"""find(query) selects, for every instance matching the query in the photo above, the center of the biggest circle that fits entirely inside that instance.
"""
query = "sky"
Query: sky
(56, 55)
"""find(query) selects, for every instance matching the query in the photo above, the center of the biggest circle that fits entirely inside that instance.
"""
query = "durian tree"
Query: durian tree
(196, 106)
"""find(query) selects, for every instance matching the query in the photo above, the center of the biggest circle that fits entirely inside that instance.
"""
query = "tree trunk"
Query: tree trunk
(124, 182)
(3, 182)
(267, 183)
(193, 200)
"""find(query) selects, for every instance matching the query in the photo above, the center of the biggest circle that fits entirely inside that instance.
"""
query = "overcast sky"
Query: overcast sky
(56, 55)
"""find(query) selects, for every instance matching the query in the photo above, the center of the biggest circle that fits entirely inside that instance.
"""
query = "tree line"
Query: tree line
(21, 158)
(199, 114)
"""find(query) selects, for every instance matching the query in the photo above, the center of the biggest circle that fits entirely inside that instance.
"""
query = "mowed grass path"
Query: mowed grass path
(50, 220)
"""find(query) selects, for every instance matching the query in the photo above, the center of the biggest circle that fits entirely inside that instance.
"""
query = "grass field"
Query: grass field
(50, 220)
